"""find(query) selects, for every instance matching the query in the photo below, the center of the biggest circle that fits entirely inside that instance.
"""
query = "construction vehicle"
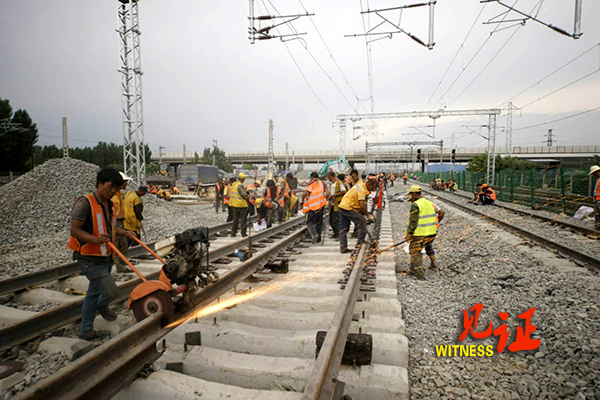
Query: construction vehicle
(194, 175)
(182, 275)
(330, 163)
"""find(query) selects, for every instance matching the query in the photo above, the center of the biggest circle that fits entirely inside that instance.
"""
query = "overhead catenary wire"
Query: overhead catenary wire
(302, 72)
(291, 26)
(557, 120)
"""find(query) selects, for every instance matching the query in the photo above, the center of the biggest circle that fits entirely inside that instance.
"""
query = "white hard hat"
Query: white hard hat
(593, 169)
(125, 177)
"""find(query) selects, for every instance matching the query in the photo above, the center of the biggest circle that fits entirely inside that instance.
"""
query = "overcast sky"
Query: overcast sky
(203, 79)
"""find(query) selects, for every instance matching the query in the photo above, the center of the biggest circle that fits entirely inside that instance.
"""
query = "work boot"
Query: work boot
(93, 335)
(433, 264)
(108, 314)
(344, 251)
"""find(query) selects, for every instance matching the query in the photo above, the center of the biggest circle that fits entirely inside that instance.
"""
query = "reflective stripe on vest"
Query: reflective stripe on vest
(428, 219)
(597, 190)
(286, 190)
(317, 199)
(226, 194)
(250, 188)
(235, 198)
(99, 229)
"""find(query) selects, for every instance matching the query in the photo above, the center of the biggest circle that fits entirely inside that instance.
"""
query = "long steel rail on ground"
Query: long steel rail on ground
(47, 321)
(104, 371)
(25, 281)
(554, 221)
(322, 383)
(548, 243)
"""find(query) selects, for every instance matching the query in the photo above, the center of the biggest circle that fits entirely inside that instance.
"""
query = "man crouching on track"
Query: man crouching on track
(423, 223)
(354, 203)
(93, 224)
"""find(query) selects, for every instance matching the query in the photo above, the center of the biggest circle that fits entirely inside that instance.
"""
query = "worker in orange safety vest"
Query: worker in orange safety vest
(314, 203)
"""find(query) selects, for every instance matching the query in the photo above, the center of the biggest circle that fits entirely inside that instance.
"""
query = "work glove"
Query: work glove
(371, 217)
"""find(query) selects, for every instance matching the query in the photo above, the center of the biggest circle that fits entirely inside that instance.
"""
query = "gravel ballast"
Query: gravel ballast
(35, 215)
(482, 264)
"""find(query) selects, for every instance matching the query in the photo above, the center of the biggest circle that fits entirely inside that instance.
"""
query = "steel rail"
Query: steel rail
(564, 224)
(104, 371)
(22, 282)
(321, 384)
(548, 243)
(47, 321)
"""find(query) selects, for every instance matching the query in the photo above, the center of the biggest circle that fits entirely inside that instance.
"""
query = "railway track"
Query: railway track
(563, 224)
(556, 241)
(258, 339)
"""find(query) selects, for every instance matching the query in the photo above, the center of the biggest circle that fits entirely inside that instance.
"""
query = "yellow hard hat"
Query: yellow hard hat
(257, 183)
(258, 201)
(242, 175)
(414, 189)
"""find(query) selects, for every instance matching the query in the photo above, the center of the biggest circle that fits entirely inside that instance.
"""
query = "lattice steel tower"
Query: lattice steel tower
(134, 155)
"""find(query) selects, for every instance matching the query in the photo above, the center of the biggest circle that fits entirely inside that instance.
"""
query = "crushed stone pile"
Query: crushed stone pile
(40, 201)
(35, 214)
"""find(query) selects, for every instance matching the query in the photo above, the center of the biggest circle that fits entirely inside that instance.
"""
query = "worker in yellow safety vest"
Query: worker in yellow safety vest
(133, 207)
(423, 224)
(122, 243)
(595, 172)
(227, 197)
(238, 200)
(315, 201)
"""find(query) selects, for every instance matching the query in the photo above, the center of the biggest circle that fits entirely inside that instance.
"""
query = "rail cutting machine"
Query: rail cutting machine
(182, 275)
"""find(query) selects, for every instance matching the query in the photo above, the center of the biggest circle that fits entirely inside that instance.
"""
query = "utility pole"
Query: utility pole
(271, 156)
(215, 144)
(134, 157)
(287, 165)
(160, 153)
(550, 138)
(65, 139)
(509, 116)
(293, 158)
(184, 155)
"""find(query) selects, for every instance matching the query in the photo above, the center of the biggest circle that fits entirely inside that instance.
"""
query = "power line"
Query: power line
(455, 55)
(556, 120)
(313, 57)
(300, 69)
(552, 73)
(486, 65)
(331, 55)
(561, 88)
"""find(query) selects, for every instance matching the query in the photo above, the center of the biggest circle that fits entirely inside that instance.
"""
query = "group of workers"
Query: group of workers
(103, 217)
(163, 193)
(440, 184)
(274, 201)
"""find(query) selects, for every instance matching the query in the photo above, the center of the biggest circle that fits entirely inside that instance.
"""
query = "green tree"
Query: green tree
(152, 169)
(17, 146)
(479, 163)
(196, 158)
(221, 159)
(248, 166)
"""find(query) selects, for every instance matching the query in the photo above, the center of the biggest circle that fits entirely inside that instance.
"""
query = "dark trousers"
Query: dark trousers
(597, 222)
(229, 214)
(346, 217)
(102, 290)
(334, 221)
(251, 209)
(314, 222)
(240, 217)
(219, 203)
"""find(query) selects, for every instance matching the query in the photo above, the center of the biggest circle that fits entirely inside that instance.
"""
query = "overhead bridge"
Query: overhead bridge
(400, 155)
